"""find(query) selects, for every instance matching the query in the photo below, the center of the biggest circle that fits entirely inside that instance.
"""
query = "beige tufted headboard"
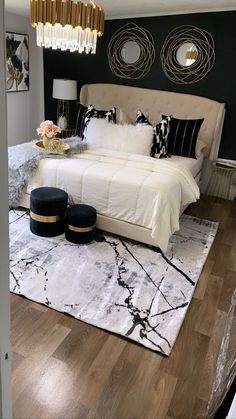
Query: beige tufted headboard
(153, 103)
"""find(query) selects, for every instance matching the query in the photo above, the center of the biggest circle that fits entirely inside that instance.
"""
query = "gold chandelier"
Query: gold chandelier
(67, 24)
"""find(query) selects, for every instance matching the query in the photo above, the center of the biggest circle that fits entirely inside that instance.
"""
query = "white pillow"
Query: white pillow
(135, 139)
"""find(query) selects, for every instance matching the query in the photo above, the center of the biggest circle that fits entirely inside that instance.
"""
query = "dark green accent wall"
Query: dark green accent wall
(219, 84)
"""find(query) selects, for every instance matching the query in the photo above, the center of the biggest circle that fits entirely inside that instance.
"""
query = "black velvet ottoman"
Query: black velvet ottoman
(47, 211)
(80, 223)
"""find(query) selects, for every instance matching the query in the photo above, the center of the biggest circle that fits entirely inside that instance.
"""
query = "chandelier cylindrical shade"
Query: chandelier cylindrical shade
(64, 89)
(67, 24)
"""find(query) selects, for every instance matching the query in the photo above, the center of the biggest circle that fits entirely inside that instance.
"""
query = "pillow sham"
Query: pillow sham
(136, 139)
(108, 115)
(84, 115)
(183, 135)
(159, 147)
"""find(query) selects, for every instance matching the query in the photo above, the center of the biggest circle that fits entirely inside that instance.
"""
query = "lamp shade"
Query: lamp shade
(64, 89)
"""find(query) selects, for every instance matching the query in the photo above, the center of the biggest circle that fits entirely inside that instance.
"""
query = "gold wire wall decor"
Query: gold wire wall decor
(205, 56)
(143, 39)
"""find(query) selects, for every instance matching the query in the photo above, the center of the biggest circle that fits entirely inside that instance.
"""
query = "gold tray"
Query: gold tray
(39, 146)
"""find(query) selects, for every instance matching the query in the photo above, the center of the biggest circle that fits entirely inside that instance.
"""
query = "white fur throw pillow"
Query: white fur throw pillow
(136, 139)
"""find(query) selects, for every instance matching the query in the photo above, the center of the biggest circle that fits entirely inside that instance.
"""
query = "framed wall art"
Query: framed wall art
(17, 62)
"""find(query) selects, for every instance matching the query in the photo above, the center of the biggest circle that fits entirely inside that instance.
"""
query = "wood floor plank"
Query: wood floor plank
(209, 366)
(158, 402)
(46, 398)
(142, 382)
(202, 283)
(176, 364)
(97, 375)
(113, 392)
(46, 331)
(199, 410)
(208, 308)
(229, 285)
(189, 378)
(81, 347)
(36, 356)
(66, 369)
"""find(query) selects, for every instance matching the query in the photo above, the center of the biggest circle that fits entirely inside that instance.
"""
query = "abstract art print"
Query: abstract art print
(17, 62)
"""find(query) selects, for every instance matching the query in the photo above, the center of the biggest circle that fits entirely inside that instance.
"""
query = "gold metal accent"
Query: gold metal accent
(191, 54)
(45, 218)
(81, 229)
(67, 12)
(59, 148)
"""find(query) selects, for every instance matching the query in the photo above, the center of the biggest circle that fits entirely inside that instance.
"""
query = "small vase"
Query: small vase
(46, 141)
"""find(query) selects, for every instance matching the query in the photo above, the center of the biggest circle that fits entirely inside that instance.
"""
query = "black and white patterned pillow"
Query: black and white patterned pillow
(85, 114)
(159, 147)
(110, 116)
(162, 131)
(183, 135)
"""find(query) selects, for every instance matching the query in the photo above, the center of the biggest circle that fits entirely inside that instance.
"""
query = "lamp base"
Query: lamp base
(62, 122)
(62, 113)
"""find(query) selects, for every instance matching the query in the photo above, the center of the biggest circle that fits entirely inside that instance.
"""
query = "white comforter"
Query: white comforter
(138, 189)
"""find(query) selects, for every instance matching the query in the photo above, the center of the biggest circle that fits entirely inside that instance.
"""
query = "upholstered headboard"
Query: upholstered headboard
(153, 103)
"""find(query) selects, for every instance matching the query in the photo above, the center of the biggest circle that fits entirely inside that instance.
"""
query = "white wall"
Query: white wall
(5, 382)
(25, 110)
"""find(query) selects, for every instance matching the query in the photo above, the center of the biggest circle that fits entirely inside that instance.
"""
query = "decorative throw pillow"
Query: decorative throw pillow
(136, 139)
(85, 114)
(159, 147)
(110, 116)
(183, 135)
(83, 117)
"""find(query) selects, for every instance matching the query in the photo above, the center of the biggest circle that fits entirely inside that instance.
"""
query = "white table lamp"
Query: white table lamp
(64, 90)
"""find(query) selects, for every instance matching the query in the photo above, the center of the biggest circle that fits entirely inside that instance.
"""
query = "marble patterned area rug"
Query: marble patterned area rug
(113, 283)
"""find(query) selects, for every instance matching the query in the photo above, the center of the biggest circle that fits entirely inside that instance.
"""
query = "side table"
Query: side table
(221, 179)
(67, 132)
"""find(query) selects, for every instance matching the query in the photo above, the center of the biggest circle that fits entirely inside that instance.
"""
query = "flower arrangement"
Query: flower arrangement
(47, 130)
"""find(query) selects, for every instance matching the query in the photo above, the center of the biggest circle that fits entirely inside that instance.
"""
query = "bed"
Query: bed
(100, 166)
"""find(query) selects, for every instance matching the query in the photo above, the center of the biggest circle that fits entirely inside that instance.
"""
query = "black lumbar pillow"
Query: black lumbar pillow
(47, 211)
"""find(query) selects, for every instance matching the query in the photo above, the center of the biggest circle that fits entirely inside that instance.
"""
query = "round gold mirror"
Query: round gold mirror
(130, 52)
(186, 54)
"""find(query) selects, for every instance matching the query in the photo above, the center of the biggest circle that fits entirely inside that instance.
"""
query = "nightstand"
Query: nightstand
(221, 179)
(68, 132)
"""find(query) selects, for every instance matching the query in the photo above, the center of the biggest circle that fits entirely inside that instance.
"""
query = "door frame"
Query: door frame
(5, 354)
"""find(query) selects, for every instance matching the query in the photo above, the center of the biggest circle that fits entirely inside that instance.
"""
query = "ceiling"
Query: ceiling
(135, 8)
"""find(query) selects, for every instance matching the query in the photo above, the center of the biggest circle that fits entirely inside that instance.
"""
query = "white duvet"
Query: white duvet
(138, 189)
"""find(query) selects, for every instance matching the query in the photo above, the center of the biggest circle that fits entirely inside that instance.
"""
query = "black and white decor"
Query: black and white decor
(113, 283)
(17, 62)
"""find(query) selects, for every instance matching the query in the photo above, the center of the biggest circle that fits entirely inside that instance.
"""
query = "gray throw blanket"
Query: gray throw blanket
(23, 160)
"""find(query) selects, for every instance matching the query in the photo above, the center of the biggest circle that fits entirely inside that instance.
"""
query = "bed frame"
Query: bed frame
(152, 103)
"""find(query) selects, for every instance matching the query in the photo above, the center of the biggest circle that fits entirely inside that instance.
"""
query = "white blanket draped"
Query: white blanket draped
(140, 190)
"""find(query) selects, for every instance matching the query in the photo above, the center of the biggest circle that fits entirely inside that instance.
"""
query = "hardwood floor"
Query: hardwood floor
(63, 368)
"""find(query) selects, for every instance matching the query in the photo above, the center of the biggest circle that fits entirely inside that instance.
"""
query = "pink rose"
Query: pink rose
(48, 129)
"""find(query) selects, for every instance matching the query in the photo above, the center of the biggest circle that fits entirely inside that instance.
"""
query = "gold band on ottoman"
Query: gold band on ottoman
(81, 229)
(45, 218)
